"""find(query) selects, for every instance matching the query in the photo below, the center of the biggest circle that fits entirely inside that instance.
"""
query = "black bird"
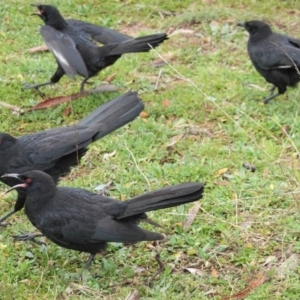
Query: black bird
(76, 53)
(98, 33)
(78, 219)
(275, 56)
(55, 151)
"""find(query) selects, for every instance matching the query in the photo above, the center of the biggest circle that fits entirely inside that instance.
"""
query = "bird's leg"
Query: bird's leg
(83, 82)
(89, 261)
(5, 217)
(28, 237)
(37, 86)
(85, 269)
(272, 96)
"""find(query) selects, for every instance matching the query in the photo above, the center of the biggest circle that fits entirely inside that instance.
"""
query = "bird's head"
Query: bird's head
(49, 14)
(255, 26)
(33, 182)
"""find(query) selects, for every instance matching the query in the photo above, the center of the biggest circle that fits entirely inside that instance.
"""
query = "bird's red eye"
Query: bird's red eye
(28, 180)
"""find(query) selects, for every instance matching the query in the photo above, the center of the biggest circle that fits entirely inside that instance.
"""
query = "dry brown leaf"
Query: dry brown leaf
(175, 139)
(50, 102)
(143, 114)
(168, 57)
(110, 77)
(67, 111)
(214, 273)
(260, 279)
(191, 215)
(133, 296)
(266, 173)
(158, 63)
(166, 103)
(38, 49)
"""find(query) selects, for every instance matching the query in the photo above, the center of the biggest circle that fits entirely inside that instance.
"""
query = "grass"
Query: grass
(248, 223)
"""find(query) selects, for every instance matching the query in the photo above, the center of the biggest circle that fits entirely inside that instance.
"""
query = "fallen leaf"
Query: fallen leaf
(266, 173)
(110, 77)
(221, 182)
(175, 139)
(50, 102)
(133, 296)
(192, 213)
(182, 31)
(168, 57)
(194, 271)
(214, 273)
(138, 270)
(25, 281)
(257, 87)
(214, 26)
(143, 114)
(67, 111)
(106, 156)
(38, 49)
(166, 103)
(260, 279)
(222, 171)
(158, 63)
(270, 259)
(288, 265)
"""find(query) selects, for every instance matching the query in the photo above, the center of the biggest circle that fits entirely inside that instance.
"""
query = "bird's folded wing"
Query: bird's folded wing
(53, 147)
(277, 57)
(64, 50)
(89, 228)
(98, 33)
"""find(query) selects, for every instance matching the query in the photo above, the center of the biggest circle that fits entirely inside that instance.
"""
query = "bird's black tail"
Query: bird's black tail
(166, 197)
(115, 113)
(140, 44)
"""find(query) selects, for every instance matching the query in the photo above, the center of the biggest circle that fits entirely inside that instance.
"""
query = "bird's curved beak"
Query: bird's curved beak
(17, 176)
(241, 24)
(39, 13)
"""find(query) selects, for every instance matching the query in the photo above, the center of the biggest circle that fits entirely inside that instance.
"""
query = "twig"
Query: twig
(161, 268)
(158, 78)
(137, 166)
(12, 107)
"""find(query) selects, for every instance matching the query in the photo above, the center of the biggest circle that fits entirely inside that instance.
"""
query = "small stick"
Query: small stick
(160, 269)
(12, 107)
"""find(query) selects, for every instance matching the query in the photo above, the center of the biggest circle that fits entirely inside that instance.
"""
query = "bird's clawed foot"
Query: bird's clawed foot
(272, 95)
(28, 237)
(267, 100)
(27, 86)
